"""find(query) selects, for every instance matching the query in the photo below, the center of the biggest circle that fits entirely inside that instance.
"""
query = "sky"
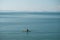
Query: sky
(30, 5)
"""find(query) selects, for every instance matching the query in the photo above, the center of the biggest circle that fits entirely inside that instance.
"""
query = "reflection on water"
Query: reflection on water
(29, 36)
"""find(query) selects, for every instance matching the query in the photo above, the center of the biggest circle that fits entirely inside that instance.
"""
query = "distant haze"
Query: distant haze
(30, 5)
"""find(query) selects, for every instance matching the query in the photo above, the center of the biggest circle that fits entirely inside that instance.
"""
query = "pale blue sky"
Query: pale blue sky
(30, 5)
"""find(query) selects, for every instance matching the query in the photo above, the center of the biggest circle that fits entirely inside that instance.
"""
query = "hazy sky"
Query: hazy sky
(30, 5)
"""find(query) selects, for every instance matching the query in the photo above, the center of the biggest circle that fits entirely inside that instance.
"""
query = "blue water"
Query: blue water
(43, 25)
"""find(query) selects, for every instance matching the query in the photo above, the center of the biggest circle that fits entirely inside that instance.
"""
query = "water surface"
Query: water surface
(43, 26)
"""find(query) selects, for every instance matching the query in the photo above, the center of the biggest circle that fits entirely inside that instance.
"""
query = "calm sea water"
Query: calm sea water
(43, 26)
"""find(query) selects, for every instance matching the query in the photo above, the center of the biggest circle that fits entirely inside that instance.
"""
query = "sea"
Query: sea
(43, 25)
